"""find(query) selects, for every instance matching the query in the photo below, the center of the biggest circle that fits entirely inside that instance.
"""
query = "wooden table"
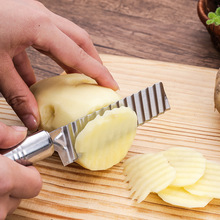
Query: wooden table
(72, 192)
(154, 30)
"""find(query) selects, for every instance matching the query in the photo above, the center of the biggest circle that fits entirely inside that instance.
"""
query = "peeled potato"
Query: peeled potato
(148, 173)
(209, 183)
(106, 140)
(65, 98)
(189, 165)
(180, 197)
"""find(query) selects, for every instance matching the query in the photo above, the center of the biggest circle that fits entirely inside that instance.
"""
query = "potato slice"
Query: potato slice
(209, 183)
(63, 99)
(180, 197)
(106, 140)
(189, 165)
(148, 173)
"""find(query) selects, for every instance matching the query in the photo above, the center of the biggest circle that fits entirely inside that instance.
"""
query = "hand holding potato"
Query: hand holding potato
(26, 23)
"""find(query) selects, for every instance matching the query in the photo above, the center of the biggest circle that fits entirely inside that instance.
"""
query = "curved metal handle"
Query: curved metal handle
(34, 148)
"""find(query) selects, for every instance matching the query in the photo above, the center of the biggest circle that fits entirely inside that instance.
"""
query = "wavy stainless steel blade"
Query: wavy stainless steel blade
(147, 103)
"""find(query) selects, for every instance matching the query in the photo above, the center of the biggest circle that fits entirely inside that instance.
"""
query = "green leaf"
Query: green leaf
(217, 20)
(217, 12)
(208, 22)
(211, 15)
(214, 17)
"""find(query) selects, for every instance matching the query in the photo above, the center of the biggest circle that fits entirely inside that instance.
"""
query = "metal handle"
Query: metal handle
(34, 148)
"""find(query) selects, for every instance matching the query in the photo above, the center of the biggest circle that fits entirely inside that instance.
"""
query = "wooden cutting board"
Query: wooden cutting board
(73, 192)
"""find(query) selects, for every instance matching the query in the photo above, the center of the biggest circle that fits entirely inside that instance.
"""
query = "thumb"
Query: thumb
(11, 135)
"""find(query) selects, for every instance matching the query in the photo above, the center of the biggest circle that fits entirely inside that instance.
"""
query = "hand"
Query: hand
(26, 23)
(16, 181)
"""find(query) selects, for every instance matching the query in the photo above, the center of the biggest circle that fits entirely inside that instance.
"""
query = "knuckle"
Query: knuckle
(38, 19)
(81, 57)
(41, 19)
(40, 24)
(84, 39)
(82, 54)
(38, 4)
(17, 101)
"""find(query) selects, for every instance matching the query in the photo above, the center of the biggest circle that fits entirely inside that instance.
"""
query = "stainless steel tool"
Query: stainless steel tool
(147, 103)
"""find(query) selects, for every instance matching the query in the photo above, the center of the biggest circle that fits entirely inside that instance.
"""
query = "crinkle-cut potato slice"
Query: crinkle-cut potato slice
(180, 197)
(189, 165)
(106, 140)
(148, 173)
(65, 98)
(209, 183)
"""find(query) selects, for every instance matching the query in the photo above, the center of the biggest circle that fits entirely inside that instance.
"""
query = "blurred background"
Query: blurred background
(159, 30)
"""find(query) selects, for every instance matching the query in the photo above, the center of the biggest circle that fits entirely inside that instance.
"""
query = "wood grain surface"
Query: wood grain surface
(160, 30)
(73, 192)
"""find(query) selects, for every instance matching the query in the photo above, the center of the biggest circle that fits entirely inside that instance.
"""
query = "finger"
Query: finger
(73, 31)
(77, 34)
(23, 66)
(20, 182)
(73, 56)
(11, 136)
(18, 95)
(64, 67)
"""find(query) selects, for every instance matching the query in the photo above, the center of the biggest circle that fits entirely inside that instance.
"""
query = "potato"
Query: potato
(188, 163)
(180, 197)
(148, 173)
(217, 91)
(169, 173)
(106, 140)
(208, 184)
(65, 98)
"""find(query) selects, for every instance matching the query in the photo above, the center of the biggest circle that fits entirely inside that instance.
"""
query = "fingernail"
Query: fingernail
(30, 122)
(19, 128)
(116, 86)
